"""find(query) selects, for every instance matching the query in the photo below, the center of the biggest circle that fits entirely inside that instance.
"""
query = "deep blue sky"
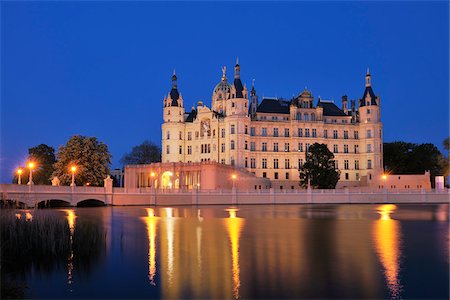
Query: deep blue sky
(102, 68)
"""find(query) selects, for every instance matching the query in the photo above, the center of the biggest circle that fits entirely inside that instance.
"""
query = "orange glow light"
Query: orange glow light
(73, 168)
(31, 165)
(234, 176)
(19, 171)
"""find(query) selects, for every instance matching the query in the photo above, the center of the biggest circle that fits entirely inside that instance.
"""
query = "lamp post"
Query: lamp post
(31, 166)
(73, 169)
(234, 177)
(19, 174)
(233, 190)
(384, 177)
(152, 175)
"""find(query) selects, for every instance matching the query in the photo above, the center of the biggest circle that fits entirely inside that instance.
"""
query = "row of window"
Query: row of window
(206, 148)
(306, 132)
(275, 176)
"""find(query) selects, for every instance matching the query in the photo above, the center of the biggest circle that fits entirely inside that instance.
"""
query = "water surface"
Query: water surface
(261, 251)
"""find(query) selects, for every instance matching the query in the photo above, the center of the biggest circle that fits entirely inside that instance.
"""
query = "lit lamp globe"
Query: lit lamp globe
(19, 175)
(73, 169)
(31, 166)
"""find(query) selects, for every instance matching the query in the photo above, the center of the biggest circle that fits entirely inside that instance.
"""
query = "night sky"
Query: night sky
(102, 68)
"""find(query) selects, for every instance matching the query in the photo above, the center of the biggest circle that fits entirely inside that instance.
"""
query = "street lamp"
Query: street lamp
(384, 177)
(234, 177)
(19, 173)
(73, 169)
(31, 166)
(152, 175)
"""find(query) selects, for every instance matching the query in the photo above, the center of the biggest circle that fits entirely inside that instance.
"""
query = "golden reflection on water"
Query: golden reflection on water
(387, 237)
(28, 216)
(234, 227)
(151, 222)
(71, 217)
(170, 226)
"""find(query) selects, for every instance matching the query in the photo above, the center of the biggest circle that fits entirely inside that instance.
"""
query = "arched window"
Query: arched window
(305, 117)
(313, 117)
(299, 116)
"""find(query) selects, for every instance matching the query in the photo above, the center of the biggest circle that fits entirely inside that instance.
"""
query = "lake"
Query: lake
(254, 251)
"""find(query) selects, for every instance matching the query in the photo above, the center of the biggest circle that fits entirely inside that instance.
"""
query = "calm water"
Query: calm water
(292, 251)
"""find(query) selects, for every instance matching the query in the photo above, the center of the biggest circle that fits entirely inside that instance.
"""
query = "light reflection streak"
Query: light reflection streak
(28, 216)
(199, 241)
(387, 238)
(71, 217)
(234, 227)
(170, 238)
(151, 222)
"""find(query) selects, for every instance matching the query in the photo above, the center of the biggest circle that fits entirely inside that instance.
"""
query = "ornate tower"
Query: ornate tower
(173, 125)
(238, 104)
(371, 131)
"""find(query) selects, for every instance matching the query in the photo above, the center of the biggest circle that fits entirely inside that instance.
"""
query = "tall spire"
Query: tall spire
(237, 69)
(368, 78)
(174, 80)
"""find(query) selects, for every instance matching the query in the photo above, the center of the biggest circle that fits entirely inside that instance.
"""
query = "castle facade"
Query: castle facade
(270, 138)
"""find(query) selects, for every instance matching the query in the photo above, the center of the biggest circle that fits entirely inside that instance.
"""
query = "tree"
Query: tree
(90, 156)
(409, 158)
(319, 168)
(145, 153)
(44, 157)
(447, 144)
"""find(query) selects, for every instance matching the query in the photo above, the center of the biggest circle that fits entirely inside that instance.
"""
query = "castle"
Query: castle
(269, 139)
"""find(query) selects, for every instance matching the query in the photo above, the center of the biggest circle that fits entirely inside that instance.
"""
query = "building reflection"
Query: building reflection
(234, 227)
(387, 240)
(151, 222)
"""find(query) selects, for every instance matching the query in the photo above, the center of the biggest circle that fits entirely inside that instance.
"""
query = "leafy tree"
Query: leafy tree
(319, 168)
(44, 157)
(145, 153)
(90, 156)
(447, 144)
(408, 158)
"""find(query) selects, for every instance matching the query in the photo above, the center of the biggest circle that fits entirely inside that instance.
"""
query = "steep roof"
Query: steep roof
(330, 109)
(192, 115)
(239, 88)
(277, 106)
(174, 95)
(368, 91)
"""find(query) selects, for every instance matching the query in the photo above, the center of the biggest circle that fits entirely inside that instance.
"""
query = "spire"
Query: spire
(237, 69)
(368, 78)
(174, 80)
(174, 94)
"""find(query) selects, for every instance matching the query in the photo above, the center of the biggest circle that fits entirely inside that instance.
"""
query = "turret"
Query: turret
(345, 104)
(253, 101)
(173, 103)
(239, 91)
(369, 110)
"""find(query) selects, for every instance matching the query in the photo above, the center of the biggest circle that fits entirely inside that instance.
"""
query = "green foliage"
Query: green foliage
(91, 157)
(319, 168)
(44, 157)
(409, 158)
(447, 144)
(145, 153)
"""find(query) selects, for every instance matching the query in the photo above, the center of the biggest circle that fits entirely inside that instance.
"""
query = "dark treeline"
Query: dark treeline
(409, 158)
